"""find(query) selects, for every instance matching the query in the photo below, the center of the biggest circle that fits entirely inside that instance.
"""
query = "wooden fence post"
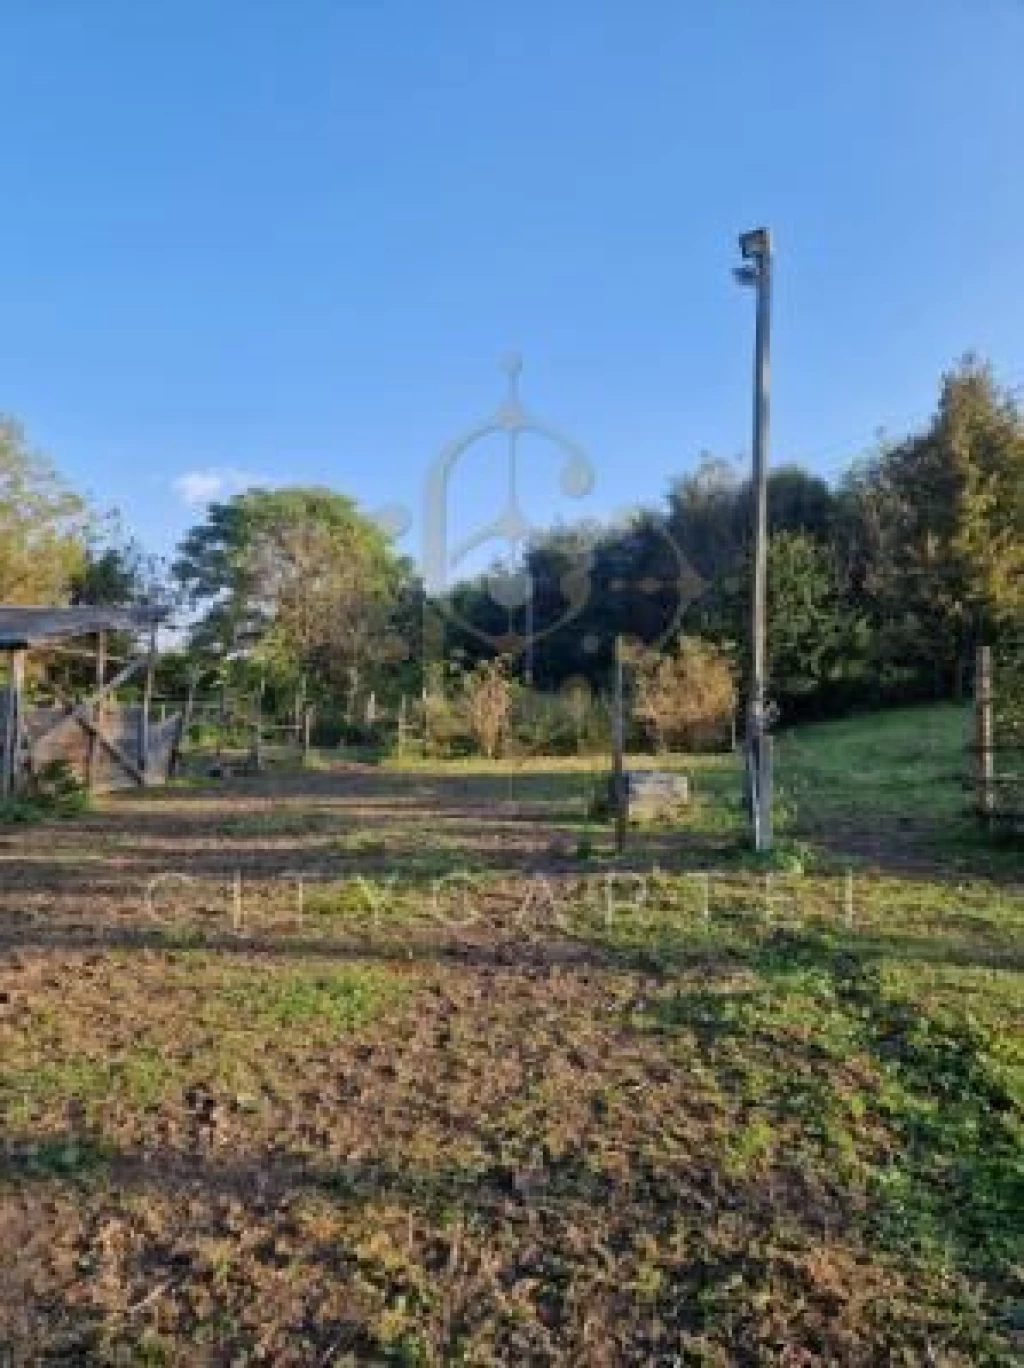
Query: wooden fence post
(12, 721)
(307, 731)
(401, 725)
(257, 749)
(186, 722)
(984, 736)
(222, 721)
(299, 717)
(619, 782)
(92, 754)
(147, 703)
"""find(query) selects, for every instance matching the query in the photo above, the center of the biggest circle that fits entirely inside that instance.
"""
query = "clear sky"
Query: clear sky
(293, 239)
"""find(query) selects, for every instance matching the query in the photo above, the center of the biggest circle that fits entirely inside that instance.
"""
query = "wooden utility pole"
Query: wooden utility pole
(984, 736)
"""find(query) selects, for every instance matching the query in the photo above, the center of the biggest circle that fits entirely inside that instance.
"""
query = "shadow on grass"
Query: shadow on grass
(952, 1185)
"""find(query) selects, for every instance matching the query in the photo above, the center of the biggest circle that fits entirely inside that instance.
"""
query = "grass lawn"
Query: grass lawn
(403, 1065)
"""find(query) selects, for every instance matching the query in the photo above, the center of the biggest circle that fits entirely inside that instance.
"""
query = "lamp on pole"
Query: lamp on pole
(756, 250)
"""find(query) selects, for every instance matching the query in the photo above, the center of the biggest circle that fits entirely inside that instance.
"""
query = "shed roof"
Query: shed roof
(26, 627)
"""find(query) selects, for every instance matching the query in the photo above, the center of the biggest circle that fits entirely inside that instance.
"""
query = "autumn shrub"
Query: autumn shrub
(488, 703)
(685, 699)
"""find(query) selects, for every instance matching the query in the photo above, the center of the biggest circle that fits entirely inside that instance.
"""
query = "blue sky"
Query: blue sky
(293, 239)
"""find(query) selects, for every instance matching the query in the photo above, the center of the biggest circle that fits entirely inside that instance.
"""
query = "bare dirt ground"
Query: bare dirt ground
(368, 1067)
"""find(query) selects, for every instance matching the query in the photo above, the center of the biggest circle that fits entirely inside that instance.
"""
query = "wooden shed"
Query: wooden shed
(107, 745)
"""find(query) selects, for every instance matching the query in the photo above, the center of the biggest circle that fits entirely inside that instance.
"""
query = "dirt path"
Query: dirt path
(293, 1142)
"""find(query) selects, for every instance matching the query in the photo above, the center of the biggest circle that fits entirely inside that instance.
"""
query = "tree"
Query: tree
(117, 570)
(982, 431)
(42, 525)
(942, 528)
(296, 578)
(807, 632)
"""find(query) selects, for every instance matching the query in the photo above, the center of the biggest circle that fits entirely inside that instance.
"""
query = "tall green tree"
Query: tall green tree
(297, 579)
(810, 626)
(43, 525)
(941, 525)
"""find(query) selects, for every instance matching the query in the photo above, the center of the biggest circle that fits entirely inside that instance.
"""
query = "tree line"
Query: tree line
(879, 585)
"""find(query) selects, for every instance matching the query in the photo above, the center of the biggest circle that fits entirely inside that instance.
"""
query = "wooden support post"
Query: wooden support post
(307, 731)
(984, 736)
(619, 782)
(147, 703)
(12, 722)
(92, 754)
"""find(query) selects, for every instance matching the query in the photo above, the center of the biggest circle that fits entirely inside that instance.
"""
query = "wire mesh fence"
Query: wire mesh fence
(998, 749)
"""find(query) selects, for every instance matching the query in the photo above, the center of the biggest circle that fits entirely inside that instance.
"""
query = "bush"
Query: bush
(568, 723)
(488, 703)
(446, 730)
(686, 698)
(52, 791)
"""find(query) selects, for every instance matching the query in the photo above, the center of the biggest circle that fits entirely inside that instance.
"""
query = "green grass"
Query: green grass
(137, 1079)
(340, 999)
(238, 1020)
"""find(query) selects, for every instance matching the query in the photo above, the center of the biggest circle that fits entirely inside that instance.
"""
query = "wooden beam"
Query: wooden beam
(102, 739)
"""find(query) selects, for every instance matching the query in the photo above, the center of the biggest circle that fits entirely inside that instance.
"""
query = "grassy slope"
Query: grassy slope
(730, 1125)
